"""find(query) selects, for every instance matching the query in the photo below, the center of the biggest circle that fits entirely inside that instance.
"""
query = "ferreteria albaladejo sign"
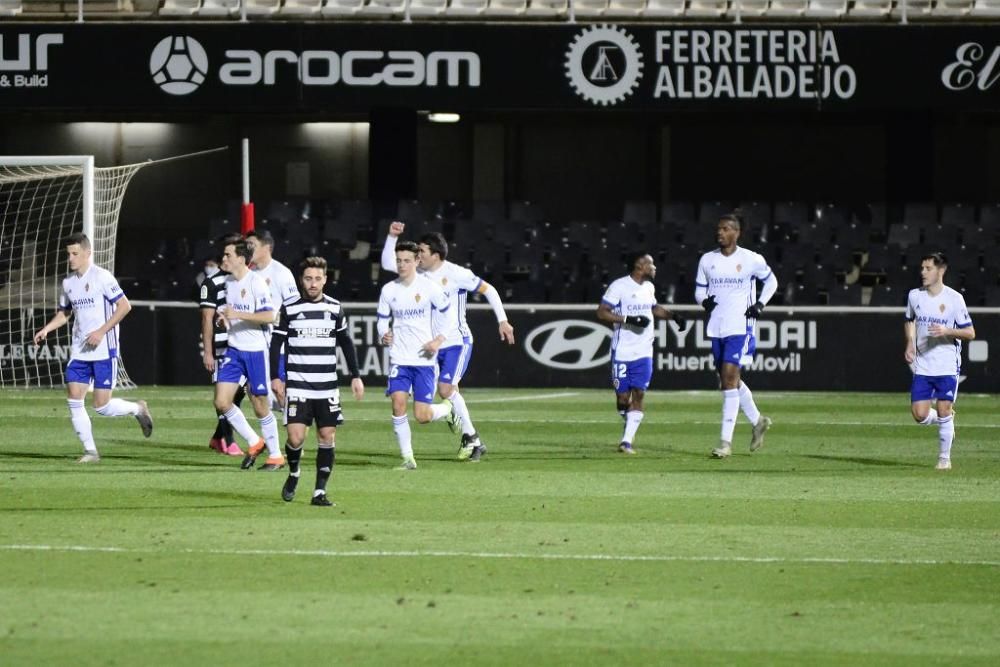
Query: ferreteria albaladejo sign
(315, 67)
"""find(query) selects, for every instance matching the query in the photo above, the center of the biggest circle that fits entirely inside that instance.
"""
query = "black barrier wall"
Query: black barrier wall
(279, 67)
(815, 349)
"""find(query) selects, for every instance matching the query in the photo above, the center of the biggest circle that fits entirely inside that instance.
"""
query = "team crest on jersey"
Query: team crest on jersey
(444, 281)
(739, 267)
(268, 281)
(416, 297)
(243, 294)
(86, 287)
(941, 307)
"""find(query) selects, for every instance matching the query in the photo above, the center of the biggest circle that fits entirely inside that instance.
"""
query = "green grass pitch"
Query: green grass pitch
(837, 543)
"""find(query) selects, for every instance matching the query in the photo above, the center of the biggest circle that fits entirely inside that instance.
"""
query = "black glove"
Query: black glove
(709, 304)
(679, 319)
(754, 311)
(640, 321)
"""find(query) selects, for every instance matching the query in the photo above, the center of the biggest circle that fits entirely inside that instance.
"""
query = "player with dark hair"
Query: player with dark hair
(457, 282)
(211, 297)
(309, 332)
(413, 321)
(629, 304)
(93, 296)
(247, 316)
(937, 321)
(726, 287)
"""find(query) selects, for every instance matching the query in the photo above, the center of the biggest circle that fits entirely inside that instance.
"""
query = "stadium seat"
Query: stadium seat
(631, 8)
(985, 8)
(342, 7)
(219, 8)
(821, 9)
(961, 215)
(301, 7)
(787, 8)
(506, 7)
(870, 8)
(262, 7)
(915, 9)
(421, 8)
(466, 7)
(412, 212)
(710, 212)
(382, 8)
(589, 8)
(583, 234)
(951, 8)
(887, 295)
(920, 214)
(903, 234)
(941, 234)
(508, 233)
(526, 213)
(792, 213)
(489, 212)
(10, 7)
(180, 7)
(750, 7)
(641, 212)
(845, 295)
(706, 8)
(547, 8)
(678, 212)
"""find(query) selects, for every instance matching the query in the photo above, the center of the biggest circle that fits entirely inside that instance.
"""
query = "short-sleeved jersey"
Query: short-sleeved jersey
(249, 295)
(212, 296)
(281, 282)
(456, 282)
(92, 299)
(732, 281)
(411, 308)
(309, 330)
(626, 297)
(940, 355)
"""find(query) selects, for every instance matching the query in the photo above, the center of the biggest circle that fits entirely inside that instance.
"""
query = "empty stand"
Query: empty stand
(821, 9)
(788, 8)
(632, 8)
(589, 8)
(219, 8)
(547, 8)
(870, 8)
(301, 7)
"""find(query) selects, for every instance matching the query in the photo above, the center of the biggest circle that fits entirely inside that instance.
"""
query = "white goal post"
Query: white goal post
(43, 199)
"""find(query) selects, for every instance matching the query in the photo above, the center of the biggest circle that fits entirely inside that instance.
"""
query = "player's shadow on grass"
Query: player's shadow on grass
(863, 460)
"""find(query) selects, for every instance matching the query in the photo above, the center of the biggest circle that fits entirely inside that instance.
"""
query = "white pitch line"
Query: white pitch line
(535, 397)
(504, 555)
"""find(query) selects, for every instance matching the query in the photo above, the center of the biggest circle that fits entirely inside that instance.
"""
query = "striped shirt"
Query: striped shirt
(212, 295)
(309, 334)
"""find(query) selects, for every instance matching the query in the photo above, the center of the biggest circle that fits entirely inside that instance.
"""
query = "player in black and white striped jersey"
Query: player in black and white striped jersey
(308, 334)
(214, 339)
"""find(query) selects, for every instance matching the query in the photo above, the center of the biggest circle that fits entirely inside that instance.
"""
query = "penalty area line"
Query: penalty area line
(534, 397)
(486, 555)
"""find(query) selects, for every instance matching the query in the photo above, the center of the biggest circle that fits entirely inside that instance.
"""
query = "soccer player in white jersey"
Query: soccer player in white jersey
(418, 310)
(726, 287)
(278, 278)
(309, 333)
(247, 315)
(453, 358)
(937, 322)
(93, 297)
(629, 304)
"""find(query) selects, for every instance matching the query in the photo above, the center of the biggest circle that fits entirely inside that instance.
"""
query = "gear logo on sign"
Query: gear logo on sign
(178, 65)
(604, 64)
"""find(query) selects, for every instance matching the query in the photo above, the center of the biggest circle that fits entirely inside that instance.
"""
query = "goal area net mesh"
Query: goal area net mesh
(42, 201)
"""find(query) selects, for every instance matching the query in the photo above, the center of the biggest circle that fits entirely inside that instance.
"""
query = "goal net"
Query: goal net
(42, 201)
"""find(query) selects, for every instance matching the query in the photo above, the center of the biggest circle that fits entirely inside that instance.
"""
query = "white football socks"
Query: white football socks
(730, 409)
(117, 407)
(269, 429)
(438, 411)
(632, 420)
(81, 424)
(932, 418)
(462, 411)
(242, 426)
(946, 434)
(401, 426)
(747, 404)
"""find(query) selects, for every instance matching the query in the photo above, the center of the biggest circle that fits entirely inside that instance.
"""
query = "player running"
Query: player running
(93, 296)
(937, 321)
(726, 287)
(418, 310)
(630, 305)
(308, 335)
(453, 358)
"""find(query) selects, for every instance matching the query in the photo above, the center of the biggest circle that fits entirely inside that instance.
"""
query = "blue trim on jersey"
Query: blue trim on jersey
(114, 300)
(384, 317)
(697, 284)
(769, 273)
(263, 310)
(963, 326)
(609, 304)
